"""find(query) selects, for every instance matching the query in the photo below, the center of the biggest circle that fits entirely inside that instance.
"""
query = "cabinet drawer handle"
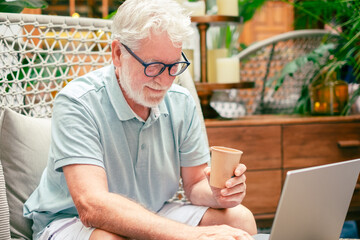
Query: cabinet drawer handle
(348, 143)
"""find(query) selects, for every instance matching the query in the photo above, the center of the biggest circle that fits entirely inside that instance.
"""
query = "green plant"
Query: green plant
(343, 17)
(227, 36)
(248, 8)
(16, 6)
(318, 58)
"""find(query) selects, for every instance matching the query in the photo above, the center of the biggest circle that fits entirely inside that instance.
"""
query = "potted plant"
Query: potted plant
(343, 58)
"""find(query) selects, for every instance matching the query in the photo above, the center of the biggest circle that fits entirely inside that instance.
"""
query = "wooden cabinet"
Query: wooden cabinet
(263, 191)
(273, 145)
(248, 139)
(319, 143)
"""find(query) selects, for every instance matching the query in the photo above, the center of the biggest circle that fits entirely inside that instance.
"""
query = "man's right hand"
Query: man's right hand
(221, 232)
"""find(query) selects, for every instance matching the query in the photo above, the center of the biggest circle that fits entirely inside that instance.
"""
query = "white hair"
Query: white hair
(135, 20)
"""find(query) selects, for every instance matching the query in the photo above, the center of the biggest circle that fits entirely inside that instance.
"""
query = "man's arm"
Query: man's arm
(199, 192)
(99, 208)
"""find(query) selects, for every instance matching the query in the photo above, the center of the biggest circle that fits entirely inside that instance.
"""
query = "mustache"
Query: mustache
(156, 86)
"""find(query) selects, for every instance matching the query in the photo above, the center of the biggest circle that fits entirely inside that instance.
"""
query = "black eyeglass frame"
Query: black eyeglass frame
(169, 66)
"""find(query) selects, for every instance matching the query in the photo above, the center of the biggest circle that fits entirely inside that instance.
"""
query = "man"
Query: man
(123, 135)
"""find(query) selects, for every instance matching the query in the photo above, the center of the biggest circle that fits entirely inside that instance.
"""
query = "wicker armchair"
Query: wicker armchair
(263, 60)
(39, 55)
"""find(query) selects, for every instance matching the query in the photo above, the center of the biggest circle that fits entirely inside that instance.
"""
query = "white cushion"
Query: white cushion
(24, 147)
(4, 209)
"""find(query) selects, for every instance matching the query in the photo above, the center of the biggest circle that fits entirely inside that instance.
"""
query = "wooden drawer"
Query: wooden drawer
(315, 144)
(261, 144)
(263, 191)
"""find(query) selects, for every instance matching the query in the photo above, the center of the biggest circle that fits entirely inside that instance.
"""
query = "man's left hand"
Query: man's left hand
(234, 191)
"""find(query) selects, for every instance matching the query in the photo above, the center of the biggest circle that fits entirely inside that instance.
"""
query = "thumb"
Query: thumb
(207, 171)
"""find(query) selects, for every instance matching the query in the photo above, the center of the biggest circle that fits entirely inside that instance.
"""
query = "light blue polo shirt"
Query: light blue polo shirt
(93, 124)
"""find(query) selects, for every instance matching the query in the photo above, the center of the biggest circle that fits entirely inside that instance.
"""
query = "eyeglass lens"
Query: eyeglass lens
(155, 69)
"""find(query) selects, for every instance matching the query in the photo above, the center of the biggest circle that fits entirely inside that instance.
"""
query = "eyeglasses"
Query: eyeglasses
(154, 69)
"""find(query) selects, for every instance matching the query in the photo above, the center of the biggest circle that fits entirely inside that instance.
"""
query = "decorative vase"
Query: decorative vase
(328, 96)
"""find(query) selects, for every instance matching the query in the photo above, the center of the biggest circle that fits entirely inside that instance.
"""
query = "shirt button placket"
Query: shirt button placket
(142, 152)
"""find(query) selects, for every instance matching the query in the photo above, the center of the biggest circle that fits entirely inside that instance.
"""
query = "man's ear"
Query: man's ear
(116, 53)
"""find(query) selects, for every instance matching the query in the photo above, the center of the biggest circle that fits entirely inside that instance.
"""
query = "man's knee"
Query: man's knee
(243, 217)
(99, 234)
(237, 217)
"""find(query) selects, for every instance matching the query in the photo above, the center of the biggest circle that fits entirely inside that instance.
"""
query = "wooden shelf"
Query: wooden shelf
(203, 23)
(205, 91)
(204, 88)
(215, 19)
(207, 88)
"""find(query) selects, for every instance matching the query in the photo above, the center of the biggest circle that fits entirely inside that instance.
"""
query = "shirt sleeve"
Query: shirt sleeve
(75, 134)
(194, 150)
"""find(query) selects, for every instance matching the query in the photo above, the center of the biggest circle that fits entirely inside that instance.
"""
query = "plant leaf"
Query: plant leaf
(16, 6)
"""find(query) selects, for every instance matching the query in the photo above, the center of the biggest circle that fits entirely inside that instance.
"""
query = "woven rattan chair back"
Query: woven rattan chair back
(264, 60)
(40, 54)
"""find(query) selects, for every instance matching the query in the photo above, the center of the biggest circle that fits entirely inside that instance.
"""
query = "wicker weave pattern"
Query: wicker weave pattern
(264, 60)
(39, 55)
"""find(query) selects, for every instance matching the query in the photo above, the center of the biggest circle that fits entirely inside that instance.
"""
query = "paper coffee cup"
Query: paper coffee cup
(223, 164)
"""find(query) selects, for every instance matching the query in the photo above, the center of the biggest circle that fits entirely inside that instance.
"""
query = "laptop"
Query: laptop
(314, 202)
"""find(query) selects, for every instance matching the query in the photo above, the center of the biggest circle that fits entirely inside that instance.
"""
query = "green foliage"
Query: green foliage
(317, 13)
(248, 8)
(228, 35)
(342, 17)
(111, 15)
(16, 6)
(292, 67)
(303, 104)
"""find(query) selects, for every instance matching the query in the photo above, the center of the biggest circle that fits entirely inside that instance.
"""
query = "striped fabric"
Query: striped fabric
(4, 209)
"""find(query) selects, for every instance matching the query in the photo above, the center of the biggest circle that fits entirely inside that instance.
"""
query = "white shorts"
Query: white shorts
(73, 229)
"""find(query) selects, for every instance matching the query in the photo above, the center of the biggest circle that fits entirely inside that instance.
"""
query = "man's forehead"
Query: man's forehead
(159, 48)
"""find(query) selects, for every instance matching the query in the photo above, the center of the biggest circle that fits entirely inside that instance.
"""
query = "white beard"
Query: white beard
(136, 92)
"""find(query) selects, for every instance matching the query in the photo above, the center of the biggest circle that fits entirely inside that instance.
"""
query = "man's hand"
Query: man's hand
(222, 232)
(235, 190)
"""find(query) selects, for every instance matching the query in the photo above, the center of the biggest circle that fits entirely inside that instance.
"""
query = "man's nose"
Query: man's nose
(165, 78)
